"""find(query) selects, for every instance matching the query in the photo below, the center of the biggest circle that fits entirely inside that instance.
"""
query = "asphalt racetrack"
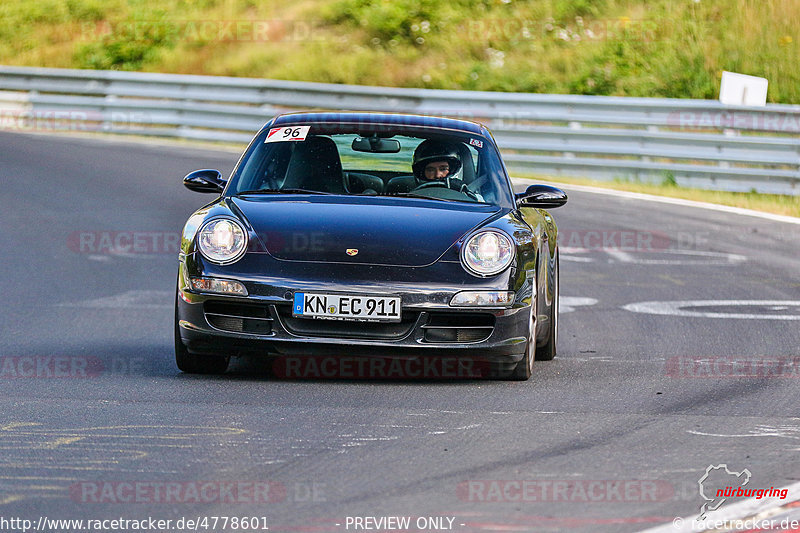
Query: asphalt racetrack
(679, 349)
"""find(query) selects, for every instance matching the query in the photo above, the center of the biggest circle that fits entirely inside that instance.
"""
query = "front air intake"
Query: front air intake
(458, 327)
(238, 318)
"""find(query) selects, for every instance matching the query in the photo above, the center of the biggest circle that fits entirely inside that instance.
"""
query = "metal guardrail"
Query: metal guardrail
(696, 142)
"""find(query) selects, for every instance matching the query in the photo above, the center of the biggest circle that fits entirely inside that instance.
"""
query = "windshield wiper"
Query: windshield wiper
(281, 191)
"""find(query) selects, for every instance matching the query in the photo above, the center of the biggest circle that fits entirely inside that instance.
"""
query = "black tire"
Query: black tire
(548, 351)
(524, 369)
(196, 364)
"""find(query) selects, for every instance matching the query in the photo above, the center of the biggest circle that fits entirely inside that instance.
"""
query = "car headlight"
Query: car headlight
(487, 253)
(222, 240)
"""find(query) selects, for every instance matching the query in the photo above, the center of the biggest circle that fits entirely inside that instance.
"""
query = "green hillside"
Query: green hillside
(663, 48)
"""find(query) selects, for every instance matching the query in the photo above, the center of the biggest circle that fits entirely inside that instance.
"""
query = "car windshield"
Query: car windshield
(381, 161)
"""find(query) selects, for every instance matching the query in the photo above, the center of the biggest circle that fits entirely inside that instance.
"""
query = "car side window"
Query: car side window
(274, 172)
(269, 170)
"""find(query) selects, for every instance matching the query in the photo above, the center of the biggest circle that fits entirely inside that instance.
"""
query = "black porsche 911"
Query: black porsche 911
(370, 236)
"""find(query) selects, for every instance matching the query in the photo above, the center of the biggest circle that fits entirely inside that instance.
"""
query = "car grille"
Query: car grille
(458, 327)
(314, 327)
(238, 318)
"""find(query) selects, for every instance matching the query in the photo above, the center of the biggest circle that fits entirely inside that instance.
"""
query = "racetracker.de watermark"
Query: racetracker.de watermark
(733, 367)
(604, 240)
(553, 490)
(50, 120)
(141, 523)
(352, 367)
(177, 492)
(69, 366)
(124, 242)
(119, 242)
(208, 30)
(156, 242)
(782, 525)
(740, 120)
(516, 29)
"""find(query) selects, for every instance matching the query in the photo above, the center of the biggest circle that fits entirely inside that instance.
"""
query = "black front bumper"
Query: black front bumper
(469, 339)
(261, 324)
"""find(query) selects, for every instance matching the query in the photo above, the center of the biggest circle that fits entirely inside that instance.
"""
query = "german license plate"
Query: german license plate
(346, 307)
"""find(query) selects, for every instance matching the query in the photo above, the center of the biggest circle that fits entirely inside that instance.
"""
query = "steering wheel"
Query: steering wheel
(440, 184)
(430, 184)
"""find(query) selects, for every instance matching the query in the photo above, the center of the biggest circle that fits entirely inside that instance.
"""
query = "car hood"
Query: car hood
(367, 230)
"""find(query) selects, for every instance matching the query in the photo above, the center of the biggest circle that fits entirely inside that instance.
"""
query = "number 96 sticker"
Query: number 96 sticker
(287, 133)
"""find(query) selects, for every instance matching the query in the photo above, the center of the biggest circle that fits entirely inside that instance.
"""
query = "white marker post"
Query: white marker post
(741, 89)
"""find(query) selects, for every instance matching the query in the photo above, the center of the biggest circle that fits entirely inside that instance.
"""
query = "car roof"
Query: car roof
(399, 119)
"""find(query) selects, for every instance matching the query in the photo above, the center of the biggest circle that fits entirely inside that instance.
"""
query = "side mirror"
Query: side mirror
(541, 196)
(205, 180)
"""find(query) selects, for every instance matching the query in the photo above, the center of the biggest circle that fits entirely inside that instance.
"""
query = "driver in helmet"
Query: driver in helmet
(436, 161)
